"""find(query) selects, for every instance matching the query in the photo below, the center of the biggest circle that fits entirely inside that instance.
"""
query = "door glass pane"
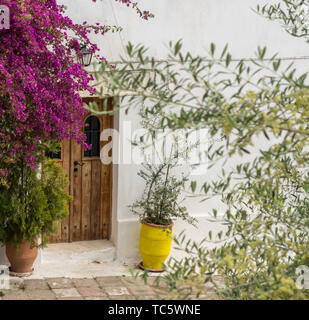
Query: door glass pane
(92, 131)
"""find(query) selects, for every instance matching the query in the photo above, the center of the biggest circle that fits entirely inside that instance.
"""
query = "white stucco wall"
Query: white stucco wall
(198, 23)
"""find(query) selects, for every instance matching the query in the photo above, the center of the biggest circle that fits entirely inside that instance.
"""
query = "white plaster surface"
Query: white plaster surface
(197, 23)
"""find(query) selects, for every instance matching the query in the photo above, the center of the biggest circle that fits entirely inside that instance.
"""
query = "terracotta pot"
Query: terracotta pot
(21, 258)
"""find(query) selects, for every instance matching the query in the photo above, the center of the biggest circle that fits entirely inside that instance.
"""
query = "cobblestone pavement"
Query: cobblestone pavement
(103, 288)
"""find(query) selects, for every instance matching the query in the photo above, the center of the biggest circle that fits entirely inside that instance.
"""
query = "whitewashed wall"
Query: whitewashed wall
(198, 23)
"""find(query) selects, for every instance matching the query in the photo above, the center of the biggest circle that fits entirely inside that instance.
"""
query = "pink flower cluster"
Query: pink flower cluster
(41, 79)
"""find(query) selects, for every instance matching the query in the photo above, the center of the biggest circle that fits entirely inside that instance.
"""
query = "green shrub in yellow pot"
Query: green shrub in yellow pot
(159, 205)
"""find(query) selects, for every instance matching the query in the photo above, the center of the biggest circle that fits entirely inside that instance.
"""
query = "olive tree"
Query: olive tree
(240, 102)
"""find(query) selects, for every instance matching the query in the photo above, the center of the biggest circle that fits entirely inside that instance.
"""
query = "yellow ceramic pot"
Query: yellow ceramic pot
(155, 245)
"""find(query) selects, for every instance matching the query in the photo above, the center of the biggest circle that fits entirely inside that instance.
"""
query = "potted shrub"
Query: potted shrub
(29, 207)
(159, 206)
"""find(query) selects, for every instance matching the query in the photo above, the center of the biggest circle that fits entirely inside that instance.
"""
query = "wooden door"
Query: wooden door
(90, 184)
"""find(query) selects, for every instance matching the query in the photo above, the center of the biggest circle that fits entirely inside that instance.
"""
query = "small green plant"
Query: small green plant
(161, 200)
(33, 203)
(160, 203)
(1, 294)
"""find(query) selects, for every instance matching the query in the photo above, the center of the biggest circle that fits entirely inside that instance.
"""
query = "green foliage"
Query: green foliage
(267, 197)
(33, 203)
(291, 14)
(161, 200)
(257, 114)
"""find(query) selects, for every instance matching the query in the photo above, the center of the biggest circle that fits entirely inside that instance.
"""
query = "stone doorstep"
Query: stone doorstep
(82, 251)
(81, 269)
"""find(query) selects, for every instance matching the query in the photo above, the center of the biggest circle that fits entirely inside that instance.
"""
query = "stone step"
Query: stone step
(83, 251)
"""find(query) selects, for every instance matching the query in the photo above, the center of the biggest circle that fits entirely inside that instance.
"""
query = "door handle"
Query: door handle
(76, 163)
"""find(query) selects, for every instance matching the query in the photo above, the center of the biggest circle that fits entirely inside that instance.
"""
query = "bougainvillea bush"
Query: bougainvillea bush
(41, 78)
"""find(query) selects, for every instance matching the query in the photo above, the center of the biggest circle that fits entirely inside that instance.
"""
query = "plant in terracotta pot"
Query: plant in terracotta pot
(157, 209)
(30, 206)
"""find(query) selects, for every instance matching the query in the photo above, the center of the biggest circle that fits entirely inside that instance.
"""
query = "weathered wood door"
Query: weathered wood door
(90, 185)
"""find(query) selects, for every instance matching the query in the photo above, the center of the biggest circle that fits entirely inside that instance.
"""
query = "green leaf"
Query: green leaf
(212, 48)
(228, 60)
(193, 186)
(178, 47)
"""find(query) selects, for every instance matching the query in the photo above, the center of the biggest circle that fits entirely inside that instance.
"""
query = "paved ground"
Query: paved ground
(101, 288)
